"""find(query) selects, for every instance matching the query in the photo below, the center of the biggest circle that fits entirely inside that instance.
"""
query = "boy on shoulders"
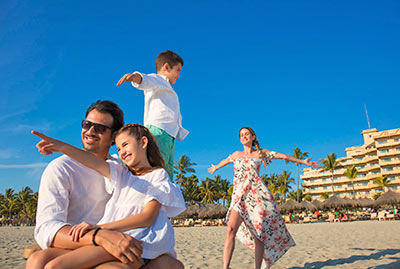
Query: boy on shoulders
(162, 110)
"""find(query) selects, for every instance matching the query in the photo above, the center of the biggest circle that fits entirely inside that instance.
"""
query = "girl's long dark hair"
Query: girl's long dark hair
(153, 152)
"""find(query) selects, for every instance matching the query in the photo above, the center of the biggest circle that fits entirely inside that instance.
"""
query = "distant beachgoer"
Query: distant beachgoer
(142, 199)
(253, 214)
(162, 114)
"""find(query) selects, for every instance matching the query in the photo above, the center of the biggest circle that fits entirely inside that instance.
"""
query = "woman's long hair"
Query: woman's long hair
(153, 152)
(255, 144)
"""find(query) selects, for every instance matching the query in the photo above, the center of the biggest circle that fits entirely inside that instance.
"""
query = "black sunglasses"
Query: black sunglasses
(98, 128)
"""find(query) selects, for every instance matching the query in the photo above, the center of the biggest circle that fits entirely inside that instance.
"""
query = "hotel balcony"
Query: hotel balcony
(369, 168)
(388, 144)
(388, 153)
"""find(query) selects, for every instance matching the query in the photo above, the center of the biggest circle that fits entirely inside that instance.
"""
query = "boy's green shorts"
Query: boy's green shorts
(166, 145)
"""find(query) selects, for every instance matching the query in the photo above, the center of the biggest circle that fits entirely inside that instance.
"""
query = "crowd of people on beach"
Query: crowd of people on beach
(97, 210)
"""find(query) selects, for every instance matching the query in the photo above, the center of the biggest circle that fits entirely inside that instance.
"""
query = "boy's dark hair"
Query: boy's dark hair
(169, 57)
(110, 108)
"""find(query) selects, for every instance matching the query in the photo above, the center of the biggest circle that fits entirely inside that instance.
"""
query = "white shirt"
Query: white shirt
(131, 193)
(69, 193)
(161, 105)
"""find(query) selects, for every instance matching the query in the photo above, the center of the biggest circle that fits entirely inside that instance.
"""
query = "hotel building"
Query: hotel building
(378, 156)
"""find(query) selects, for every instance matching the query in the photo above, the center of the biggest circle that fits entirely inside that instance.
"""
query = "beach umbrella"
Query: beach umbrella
(191, 211)
(289, 205)
(306, 205)
(317, 203)
(336, 202)
(366, 202)
(388, 198)
(352, 202)
(213, 211)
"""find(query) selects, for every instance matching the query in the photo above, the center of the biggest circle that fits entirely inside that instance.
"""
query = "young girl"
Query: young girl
(140, 204)
(253, 207)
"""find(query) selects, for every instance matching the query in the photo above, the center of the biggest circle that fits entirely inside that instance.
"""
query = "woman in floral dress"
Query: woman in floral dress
(253, 214)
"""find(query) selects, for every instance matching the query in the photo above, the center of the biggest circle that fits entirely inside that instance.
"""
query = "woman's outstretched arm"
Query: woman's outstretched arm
(222, 163)
(50, 145)
(290, 158)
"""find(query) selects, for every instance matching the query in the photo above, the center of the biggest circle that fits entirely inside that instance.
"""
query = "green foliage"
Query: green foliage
(330, 163)
(382, 182)
(325, 195)
(18, 207)
(308, 198)
(377, 195)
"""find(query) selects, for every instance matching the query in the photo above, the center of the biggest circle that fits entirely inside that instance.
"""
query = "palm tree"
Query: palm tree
(325, 195)
(224, 186)
(284, 181)
(351, 173)
(183, 166)
(10, 204)
(207, 191)
(229, 197)
(293, 195)
(189, 187)
(330, 163)
(271, 182)
(299, 155)
(382, 182)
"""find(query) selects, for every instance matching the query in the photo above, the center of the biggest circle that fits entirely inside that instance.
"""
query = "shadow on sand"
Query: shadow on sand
(348, 261)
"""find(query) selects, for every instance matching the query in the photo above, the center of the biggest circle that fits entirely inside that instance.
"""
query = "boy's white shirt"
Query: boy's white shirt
(161, 105)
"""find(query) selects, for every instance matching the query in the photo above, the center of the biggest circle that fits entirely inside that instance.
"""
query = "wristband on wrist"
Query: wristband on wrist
(94, 236)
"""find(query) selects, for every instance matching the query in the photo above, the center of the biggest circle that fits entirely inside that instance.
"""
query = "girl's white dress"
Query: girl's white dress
(131, 193)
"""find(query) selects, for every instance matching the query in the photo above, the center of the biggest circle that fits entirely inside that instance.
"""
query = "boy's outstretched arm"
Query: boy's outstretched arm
(135, 77)
(49, 145)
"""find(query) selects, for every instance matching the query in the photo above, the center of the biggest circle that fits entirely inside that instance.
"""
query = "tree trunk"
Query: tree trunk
(298, 193)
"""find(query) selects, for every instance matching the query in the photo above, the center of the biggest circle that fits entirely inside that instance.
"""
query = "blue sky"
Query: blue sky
(298, 72)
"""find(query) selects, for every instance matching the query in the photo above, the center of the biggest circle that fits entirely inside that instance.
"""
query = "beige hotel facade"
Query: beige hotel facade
(379, 155)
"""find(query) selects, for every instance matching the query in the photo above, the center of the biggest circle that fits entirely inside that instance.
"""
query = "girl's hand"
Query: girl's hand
(212, 169)
(48, 145)
(79, 230)
(310, 163)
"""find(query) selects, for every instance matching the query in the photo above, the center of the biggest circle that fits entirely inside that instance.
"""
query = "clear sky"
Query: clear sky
(298, 72)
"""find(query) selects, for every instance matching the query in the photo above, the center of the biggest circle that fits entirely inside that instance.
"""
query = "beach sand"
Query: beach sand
(362, 244)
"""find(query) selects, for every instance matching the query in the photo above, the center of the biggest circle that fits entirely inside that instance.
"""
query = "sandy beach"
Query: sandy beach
(361, 244)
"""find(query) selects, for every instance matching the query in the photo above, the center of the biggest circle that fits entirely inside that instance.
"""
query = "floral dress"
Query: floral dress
(256, 205)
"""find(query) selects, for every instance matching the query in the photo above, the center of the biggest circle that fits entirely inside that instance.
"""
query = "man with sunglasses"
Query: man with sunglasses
(71, 193)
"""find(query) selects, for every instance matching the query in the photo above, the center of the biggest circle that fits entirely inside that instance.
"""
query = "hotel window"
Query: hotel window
(386, 159)
(325, 187)
(397, 140)
(338, 186)
(398, 149)
(360, 175)
(383, 150)
(382, 142)
(315, 188)
(350, 185)
(315, 196)
(364, 183)
(340, 194)
(324, 179)
(337, 178)
(375, 172)
(388, 169)
(394, 188)
(365, 192)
